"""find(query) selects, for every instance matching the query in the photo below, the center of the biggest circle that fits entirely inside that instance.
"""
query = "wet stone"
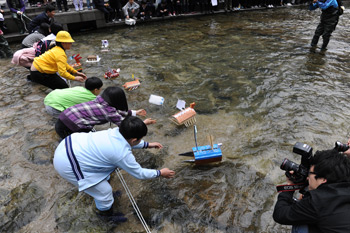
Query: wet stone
(208, 196)
(5, 171)
(36, 148)
(20, 206)
(150, 159)
(75, 212)
(175, 131)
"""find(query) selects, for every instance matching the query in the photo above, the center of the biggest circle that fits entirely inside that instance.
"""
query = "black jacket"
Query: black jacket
(325, 209)
(37, 21)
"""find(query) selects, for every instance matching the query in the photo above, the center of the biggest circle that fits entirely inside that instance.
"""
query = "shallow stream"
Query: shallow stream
(258, 90)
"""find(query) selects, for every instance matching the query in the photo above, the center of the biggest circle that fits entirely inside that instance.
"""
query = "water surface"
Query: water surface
(257, 89)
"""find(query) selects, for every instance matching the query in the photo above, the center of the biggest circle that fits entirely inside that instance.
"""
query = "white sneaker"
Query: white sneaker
(289, 4)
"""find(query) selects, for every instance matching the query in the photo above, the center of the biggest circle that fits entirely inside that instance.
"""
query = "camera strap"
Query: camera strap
(290, 187)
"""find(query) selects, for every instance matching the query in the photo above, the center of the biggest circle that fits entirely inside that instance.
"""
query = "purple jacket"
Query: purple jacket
(87, 115)
(16, 5)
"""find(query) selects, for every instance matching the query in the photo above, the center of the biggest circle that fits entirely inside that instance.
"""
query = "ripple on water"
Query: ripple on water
(257, 90)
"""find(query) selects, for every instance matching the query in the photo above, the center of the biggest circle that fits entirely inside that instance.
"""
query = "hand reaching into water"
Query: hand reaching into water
(149, 121)
(79, 78)
(167, 173)
(156, 145)
(141, 112)
(80, 74)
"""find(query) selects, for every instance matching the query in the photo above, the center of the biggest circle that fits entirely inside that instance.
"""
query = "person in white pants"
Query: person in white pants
(78, 5)
(87, 159)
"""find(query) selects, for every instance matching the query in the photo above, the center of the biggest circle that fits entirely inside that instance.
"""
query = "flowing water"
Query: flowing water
(257, 89)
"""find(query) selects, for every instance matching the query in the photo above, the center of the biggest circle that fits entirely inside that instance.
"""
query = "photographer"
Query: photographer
(325, 207)
(329, 20)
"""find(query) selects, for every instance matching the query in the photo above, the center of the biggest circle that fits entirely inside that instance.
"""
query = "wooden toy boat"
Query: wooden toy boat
(185, 117)
(93, 58)
(204, 154)
(132, 85)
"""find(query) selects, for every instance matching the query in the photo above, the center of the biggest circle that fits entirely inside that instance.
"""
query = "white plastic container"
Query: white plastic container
(130, 21)
(155, 99)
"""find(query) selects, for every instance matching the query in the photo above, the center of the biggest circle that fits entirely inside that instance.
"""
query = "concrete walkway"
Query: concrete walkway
(74, 21)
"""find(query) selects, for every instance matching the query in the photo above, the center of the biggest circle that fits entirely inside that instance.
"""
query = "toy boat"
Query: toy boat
(104, 47)
(93, 58)
(132, 85)
(204, 154)
(77, 65)
(112, 74)
(185, 117)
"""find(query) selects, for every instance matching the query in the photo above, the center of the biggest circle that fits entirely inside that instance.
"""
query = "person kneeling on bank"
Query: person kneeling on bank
(87, 159)
(45, 67)
(325, 207)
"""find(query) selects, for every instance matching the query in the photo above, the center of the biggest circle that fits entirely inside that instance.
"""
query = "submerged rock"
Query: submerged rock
(36, 148)
(75, 212)
(213, 197)
(20, 206)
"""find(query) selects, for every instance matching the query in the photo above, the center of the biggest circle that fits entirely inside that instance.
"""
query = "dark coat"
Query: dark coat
(37, 21)
(325, 209)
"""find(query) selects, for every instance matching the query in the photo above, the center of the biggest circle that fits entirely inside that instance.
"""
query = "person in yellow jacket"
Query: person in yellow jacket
(45, 67)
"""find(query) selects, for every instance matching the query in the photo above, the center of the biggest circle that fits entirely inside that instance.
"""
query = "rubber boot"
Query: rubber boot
(4, 47)
(111, 216)
(314, 41)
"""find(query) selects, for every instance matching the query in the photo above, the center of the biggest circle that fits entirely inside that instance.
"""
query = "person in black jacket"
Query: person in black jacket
(106, 10)
(325, 207)
(146, 9)
(328, 23)
(45, 17)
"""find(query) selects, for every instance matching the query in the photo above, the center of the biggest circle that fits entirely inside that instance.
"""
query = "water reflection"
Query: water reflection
(257, 89)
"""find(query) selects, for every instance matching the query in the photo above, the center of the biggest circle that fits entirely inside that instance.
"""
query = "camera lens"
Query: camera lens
(341, 147)
(288, 165)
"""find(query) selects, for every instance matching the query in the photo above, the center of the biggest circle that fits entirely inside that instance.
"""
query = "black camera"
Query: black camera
(301, 170)
(341, 147)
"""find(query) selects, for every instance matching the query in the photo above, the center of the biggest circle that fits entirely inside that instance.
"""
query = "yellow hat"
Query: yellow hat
(63, 36)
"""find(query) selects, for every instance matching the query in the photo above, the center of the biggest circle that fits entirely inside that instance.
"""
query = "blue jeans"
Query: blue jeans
(300, 229)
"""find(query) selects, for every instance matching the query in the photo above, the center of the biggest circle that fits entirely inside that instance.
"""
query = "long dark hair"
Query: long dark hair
(115, 97)
(59, 44)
